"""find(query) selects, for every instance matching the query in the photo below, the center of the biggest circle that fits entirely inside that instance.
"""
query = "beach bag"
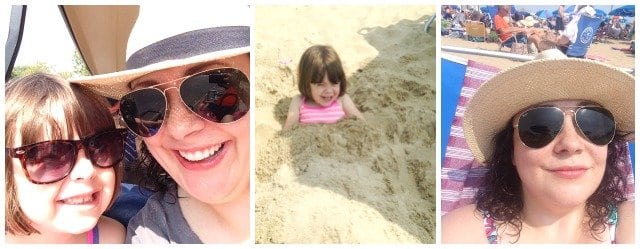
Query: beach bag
(519, 48)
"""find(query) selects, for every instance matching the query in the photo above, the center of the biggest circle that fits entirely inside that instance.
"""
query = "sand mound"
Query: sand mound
(352, 182)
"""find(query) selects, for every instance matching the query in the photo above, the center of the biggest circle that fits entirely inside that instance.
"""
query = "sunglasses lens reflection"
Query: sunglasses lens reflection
(539, 126)
(219, 95)
(596, 124)
(49, 162)
(143, 111)
(106, 149)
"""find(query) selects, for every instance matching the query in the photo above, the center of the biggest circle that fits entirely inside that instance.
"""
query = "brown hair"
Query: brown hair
(33, 105)
(317, 61)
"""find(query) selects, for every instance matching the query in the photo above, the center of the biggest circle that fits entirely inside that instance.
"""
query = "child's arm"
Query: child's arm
(293, 113)
(350, 108)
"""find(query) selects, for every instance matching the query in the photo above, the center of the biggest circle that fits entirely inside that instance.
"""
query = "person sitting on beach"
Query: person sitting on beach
(323, 94)
(555, 153)
(505, 30)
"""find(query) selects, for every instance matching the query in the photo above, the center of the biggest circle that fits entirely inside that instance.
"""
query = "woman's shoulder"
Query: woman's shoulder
(626, 220)
(463, 225)
(111, 231)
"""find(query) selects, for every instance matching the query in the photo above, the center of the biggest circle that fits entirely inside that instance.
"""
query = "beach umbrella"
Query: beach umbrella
(543, 14)
(489, 9)
(600, 13)
(627, 10)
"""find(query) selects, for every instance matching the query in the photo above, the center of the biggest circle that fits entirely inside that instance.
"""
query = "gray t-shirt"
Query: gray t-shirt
(161, 221)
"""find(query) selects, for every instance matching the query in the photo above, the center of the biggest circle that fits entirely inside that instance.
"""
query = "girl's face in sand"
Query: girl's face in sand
(565, 172)
(72, 205)
(217, 170)
(325, 92)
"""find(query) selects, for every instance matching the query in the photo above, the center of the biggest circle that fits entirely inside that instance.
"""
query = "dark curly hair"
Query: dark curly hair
(501, 199)
(149, 174)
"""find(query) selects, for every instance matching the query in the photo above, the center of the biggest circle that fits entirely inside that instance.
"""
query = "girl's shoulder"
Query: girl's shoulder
(111, 231)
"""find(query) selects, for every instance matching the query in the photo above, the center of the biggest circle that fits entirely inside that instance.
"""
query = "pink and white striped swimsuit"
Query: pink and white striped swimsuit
(318, 114)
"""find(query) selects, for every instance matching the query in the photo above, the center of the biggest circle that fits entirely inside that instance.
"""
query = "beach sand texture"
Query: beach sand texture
(351, 182)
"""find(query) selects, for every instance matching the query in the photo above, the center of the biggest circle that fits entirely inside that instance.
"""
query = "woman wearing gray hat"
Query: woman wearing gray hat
(552, 135)
(185, 91)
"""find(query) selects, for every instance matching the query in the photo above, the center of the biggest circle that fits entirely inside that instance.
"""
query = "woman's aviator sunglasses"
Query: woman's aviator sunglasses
(538, 126)
(220, 95)
(51, 161)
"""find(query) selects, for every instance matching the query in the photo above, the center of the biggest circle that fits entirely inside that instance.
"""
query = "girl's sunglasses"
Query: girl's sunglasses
(216, 95)
(51, 161)
(538, 126)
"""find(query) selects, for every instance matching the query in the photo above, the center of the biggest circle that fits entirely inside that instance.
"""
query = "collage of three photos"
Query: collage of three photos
(319, 124)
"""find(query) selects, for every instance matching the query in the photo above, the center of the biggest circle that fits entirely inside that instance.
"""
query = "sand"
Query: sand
(355, 181)
(602, 51)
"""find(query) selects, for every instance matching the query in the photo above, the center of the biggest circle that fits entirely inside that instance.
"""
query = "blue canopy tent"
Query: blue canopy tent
(627, 10)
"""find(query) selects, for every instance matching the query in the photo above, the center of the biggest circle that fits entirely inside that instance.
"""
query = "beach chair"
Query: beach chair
(476, 31)
(515, 43)
(462, 176)
(587, 29)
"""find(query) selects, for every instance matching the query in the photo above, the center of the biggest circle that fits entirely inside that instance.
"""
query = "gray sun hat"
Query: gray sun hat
(159, 42)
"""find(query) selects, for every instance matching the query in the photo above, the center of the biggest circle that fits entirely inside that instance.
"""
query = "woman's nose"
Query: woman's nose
(180, 121)
(569, 140)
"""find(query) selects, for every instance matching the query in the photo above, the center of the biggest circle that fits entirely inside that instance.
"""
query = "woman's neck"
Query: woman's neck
(217, 223)
(546, 222)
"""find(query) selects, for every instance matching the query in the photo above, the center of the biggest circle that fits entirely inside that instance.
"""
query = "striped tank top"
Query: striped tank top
(321, 114)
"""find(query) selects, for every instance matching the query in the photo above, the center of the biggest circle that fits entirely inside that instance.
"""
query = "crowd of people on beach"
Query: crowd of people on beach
(539, 31)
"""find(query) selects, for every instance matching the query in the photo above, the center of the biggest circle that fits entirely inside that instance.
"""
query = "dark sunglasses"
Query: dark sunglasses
(538, 126)
(215, 95)
(51, 161)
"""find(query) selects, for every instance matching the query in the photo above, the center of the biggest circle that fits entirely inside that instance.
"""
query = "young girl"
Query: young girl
(62, 153)
(323, 86)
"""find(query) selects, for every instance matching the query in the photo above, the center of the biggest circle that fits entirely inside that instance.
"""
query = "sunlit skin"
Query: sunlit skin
(545, 171)
(219, 184)
(43, 204)
(557, 180)
(324, 93)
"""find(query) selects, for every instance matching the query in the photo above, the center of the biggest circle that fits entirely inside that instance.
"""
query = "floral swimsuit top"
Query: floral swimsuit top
(491, 230)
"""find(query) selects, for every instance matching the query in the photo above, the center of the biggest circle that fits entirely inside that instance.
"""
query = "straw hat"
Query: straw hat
(175, 36)
(551, 76)
(529, 21)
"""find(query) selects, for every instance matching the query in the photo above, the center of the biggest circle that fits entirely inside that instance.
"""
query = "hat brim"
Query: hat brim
(115, 85)
(506, 94)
